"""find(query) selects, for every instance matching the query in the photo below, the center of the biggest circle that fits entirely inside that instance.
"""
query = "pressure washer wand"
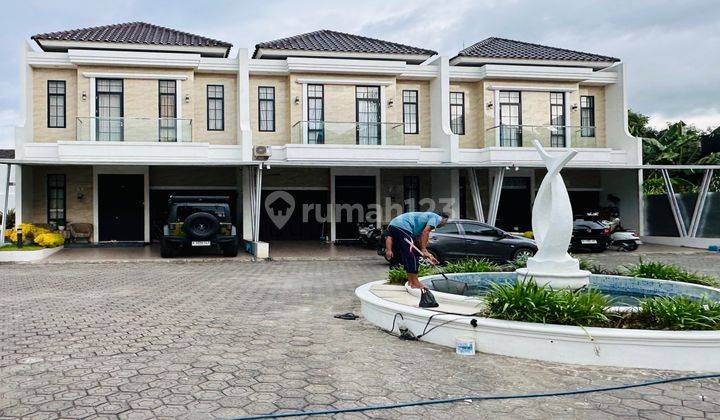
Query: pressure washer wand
(412, 245)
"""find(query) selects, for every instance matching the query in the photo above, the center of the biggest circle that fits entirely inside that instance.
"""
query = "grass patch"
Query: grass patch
(398, 275)
(527, 301)
(471, 266)
(662, 271)
(676, 313)
(13, 247)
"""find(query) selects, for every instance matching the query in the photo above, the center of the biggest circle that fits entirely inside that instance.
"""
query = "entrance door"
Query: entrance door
(353, 197)
(367, 105)
(515, 210)
(121, 207)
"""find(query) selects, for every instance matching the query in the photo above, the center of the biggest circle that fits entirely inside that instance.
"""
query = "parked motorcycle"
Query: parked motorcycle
(620, 238)
(369, 234)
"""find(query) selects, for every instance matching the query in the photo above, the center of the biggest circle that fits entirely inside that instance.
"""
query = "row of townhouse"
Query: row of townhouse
(117, 118)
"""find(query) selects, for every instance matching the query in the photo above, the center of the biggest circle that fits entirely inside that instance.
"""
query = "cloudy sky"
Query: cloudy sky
(671, 48)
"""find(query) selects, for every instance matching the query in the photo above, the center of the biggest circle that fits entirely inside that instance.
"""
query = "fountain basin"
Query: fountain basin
(671, 350)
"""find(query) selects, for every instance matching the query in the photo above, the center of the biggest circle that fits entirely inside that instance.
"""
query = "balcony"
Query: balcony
(547, 135)
(348, 133)
(129, 129)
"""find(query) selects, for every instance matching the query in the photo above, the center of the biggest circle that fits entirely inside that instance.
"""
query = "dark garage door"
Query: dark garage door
(289, 225)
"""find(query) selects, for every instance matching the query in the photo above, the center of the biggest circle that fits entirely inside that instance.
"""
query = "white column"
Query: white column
(498, 178)
(258, 203)
(5, 205)
(178, 111)
(93, 121)
(331, 210)
(383, 118)
(568, 132)
(248, 202)
(700, 203)
(682, 232)
(477, 199)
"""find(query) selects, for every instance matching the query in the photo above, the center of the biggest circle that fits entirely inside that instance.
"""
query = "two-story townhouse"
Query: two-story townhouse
(117, 118)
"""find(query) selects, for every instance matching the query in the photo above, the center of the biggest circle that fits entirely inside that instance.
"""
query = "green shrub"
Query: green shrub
(471, 266)
(677, 313)
(527, 301)
(662, 271)
(398, 275)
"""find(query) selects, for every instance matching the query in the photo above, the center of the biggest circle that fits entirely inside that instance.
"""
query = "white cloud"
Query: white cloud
(702, 119)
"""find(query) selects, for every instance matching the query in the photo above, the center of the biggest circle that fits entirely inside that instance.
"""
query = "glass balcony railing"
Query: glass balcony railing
(547, 135)
(326, 132)
(170, 130)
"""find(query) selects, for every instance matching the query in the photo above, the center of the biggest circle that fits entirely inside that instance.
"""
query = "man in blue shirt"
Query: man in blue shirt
(410, 229)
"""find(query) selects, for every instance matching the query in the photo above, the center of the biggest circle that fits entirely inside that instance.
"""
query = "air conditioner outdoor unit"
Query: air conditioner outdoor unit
(262, 152)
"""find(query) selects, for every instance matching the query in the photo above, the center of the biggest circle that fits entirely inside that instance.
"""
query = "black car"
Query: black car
(199, 222)
(589, 235)
(461, 239)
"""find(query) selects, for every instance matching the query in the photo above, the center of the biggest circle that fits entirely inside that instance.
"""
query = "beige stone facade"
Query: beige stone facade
(78, 188)
(283, 106)
(43, 133)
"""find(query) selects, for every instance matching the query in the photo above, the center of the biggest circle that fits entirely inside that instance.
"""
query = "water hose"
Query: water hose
(468, 398)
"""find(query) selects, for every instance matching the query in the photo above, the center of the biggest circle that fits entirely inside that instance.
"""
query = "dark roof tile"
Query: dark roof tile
(506, 48)
(7, 154)
(326, 40)
(133, 33)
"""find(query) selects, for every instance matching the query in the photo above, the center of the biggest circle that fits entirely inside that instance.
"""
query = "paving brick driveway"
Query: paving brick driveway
(230, 338)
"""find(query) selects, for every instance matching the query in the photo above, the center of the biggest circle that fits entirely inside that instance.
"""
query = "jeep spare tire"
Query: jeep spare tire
(201, 225)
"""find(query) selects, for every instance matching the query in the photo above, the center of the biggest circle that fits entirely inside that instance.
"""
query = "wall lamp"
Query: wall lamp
(489, 105)
(187, 98)
(84, 96)
(297, 100)
(390, 103)
(574, 107)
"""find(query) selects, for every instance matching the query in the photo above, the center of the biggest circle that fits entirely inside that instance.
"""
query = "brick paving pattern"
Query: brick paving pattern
(226, 339)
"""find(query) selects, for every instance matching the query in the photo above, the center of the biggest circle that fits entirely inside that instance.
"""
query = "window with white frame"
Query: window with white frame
(410, 112)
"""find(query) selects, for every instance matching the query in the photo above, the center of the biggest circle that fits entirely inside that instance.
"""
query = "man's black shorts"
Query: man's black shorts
(410, 257)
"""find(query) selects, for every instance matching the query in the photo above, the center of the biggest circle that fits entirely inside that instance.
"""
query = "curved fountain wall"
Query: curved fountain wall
(672, 350)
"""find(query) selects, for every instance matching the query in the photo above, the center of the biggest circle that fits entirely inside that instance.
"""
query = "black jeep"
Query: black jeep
(199, 222)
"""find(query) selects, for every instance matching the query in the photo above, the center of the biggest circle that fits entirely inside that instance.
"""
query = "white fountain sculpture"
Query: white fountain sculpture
(552, 223)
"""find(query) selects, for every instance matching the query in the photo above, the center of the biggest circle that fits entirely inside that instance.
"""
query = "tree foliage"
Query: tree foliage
(678, 144)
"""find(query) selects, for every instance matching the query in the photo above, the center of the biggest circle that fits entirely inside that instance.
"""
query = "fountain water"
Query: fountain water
(552, 223)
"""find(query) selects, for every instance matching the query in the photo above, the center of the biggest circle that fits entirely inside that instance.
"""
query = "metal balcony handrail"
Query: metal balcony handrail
(579, 127)
(80, 119)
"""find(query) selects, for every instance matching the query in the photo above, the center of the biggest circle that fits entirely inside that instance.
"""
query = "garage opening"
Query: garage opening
(294, 215)
(159, 206)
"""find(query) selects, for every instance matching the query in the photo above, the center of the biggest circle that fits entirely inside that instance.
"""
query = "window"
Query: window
(457, 112)
(216, 107)
(266, 108)
(410, 112)
(167, 102)
(474, 229)
(411, 193)
(56, 104)
(109, 109)
(587, 116)
(510, 118)
(367, 109)
(449, 229)
(316, 114)
(56, 199)
(557, 119)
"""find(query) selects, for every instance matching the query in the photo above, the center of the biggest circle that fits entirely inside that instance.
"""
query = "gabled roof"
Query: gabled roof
(327, 41)
(139, 33)
(509, 49)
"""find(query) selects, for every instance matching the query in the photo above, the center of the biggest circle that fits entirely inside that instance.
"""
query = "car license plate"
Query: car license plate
(588, 241)
(200, 243)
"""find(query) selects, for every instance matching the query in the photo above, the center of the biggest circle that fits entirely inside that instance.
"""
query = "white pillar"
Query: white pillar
(495, 193)
(248, 206)
(477, 198)
(682, 231)
(5, 205)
